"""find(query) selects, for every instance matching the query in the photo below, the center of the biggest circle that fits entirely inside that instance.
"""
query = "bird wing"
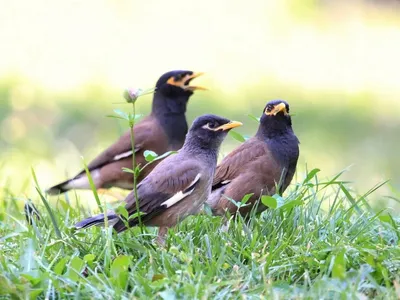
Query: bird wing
(232, 165)
(249, 169)
(123, 147)
(170, 182)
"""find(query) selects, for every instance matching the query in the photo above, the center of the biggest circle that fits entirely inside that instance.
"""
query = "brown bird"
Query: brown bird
(259, 165)
(179, 185)
(163, 130)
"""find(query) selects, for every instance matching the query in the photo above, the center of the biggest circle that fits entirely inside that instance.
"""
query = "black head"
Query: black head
(208, 132)
(177, 82)
(173, 92)
(275, 119)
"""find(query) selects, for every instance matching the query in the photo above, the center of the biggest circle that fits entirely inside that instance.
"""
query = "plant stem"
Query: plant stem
(132, 124)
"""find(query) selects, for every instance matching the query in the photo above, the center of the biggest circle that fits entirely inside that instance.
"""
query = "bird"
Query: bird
(262, 165)
(179, 185)
(162, 131)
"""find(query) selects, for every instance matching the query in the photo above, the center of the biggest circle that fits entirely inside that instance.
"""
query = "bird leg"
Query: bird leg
(225, 224)
(162, 232)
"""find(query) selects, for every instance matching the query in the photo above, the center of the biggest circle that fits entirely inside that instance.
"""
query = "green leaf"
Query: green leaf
(269, 201)
(122, 115)
(34, 293)
(254, 118)
(149, 155)
(135, 215)
(384, 272)
(75, 268)
(339, 266)
(33, 280)
(237, 136)
(386, 219)
(291, 204)
(127, 170)
(120, 263)
(238, 204)
(132, 118)
(137, 117)
(122, 211)
(60, 266)
(310, 175)
(119, 270)
(371, 260)
(246, 198)
(115, 117)
(137, 170)
(89, 258)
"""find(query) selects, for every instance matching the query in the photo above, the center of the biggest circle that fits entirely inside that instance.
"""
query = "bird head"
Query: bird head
(173, 91)
(275, 118)
(178, 83)
(208, 131)
(277, 108)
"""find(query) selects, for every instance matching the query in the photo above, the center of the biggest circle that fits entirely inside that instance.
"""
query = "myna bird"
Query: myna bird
(179, 185)
(163, 130)
(262, 165)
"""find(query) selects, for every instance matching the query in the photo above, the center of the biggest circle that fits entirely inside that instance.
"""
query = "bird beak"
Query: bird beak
(229, 126)
(184, 82)
(277, 108)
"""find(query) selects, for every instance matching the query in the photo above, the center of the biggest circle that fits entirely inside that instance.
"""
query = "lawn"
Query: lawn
(63, 65)
(321, 241)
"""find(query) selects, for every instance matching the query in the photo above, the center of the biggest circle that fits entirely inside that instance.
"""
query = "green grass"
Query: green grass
(322, 241)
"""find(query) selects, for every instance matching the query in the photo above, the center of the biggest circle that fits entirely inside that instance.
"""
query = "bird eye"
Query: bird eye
(210, 125)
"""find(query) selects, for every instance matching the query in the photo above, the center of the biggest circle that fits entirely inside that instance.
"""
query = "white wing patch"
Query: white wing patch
(182, 194)
(226, 181)
(125, 154)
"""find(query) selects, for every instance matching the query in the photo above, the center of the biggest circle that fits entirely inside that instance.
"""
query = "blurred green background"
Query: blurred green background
(64, 65)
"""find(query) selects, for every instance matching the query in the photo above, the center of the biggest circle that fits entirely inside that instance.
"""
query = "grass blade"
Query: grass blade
(93, 187)
(48, 208)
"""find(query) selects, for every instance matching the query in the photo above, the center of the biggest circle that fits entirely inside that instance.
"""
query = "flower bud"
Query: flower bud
(132, 94)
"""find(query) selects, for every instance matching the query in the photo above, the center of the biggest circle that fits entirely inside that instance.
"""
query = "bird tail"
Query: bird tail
(81, 181)
(31, 212)
(98, 220)
(59, 188)
(214, 198)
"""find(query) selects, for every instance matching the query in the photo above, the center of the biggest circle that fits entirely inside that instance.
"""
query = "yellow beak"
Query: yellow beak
(229, 125)
(277, 108)
(182, 82)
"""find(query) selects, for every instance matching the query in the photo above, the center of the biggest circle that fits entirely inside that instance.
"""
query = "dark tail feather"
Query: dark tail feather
(97, 221)
(59, 188)
(31, 212)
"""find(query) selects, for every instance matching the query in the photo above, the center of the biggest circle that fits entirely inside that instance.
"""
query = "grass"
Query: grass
(321, 241)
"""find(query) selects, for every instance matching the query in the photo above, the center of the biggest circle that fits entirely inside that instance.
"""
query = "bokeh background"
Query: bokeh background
(64, 65)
